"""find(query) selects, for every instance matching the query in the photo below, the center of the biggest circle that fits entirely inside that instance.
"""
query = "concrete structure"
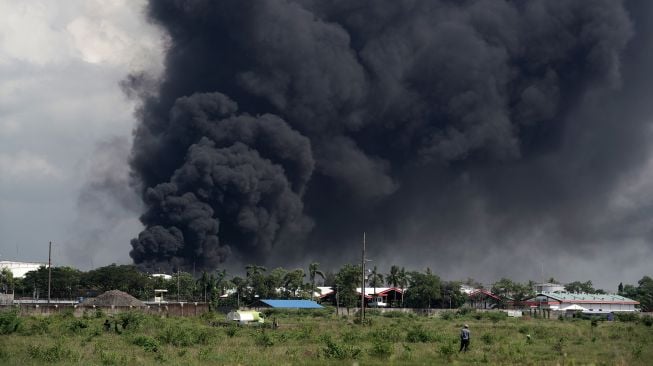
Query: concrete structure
(548, 287)
(158, 295)
(586, 303)
(19, 269)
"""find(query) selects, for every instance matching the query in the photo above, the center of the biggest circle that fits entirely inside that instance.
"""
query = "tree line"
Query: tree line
(427, 290)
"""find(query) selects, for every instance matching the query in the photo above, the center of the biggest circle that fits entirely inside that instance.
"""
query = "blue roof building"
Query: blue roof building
(290, 304)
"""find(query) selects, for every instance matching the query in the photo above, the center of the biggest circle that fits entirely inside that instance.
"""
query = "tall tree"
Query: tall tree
(346, 280)
(294, 280)
(312, 272)
(203, 282)
(6, 280)
(645, 293)
(256, 281)
(375, 279)
(393, 279)
(424, 289)
(578, 286)
(403, 279)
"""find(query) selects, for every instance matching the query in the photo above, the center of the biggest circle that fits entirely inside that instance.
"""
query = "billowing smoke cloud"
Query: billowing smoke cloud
(282, 129)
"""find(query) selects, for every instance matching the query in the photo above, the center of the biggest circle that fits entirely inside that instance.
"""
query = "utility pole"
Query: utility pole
(178, 282)
(363, 282)
(49, 269)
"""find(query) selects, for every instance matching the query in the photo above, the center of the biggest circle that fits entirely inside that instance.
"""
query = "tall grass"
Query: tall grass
(306, 339)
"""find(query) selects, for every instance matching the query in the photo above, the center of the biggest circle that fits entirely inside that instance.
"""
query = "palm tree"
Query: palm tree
(392, 279)
(375, 279)
(312, 272)
(253, 270)
(402, 281)
(241, 285)
(204, 282)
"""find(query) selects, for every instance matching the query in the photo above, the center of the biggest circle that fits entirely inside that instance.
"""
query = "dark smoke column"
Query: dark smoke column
(284, 122)
(238, 186)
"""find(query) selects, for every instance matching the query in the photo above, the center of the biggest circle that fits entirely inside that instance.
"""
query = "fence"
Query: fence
(162, 309)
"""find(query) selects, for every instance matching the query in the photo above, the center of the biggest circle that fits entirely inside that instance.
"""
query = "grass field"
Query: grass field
(322, 338)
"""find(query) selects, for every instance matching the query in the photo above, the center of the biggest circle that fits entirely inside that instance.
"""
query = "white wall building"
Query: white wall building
(586, 303)
(18, 269)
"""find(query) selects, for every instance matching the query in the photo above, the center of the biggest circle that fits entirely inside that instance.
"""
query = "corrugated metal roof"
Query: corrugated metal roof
(593, 298)
(293, 304)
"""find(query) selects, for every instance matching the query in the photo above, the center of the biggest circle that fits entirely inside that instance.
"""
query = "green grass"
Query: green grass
(322, 338)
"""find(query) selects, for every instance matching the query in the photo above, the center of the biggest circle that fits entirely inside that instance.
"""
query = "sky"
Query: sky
(546, 174)
(64, 121)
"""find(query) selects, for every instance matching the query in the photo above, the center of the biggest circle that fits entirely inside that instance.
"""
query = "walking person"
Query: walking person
(465, 336)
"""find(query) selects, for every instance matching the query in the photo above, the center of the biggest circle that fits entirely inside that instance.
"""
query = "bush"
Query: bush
(464, 311)
(381, 349)
(56, 353)
(647, 320)
(339, 351)
(183, 336)
(131, 320)
(77, 325)
(626, 317)
(447, 350)
(399, 314)
(149, 344)
(487, 338)
(447, 315)
(385, 333)
(418, 335)
(495, 316)
(263, 339)
(232, 330)
(9, 322)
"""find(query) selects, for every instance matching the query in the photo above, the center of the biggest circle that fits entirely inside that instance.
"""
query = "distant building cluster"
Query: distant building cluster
(552, 296)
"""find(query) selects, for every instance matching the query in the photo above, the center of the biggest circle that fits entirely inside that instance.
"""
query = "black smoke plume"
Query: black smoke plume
(282, 129)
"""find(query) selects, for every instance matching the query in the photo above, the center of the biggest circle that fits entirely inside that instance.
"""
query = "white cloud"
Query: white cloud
(26, 166)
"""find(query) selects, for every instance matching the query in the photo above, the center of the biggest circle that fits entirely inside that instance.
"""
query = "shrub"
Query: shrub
(626, 317)
(112, 358)
(339, 351)
(232, 330)
(263, 339)
(487, 338)
(77, 325)
(495, 316)
(647, 320)
(183, 336)
(37, 325)
(55, 353)
(99, 313)
(464, 311)
(381, 349)
(418, 334)
(447, 350)
(149, 344)
(447, 315)
(67, 313)
(385, 333)
(351, 336)
(399, 314)
(131, 319)
(9, 322)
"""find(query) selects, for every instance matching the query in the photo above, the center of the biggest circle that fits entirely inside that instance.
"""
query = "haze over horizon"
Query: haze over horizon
(480, 139)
